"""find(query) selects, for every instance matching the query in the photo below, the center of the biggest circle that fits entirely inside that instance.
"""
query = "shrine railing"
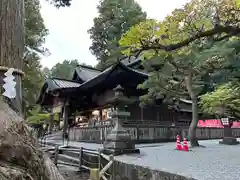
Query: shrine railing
(146, 134)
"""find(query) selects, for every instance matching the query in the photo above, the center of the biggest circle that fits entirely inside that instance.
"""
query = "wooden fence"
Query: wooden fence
(146, 134)
(84, 159)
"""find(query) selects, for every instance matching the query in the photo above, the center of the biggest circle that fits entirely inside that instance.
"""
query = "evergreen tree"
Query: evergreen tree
(34, 38)
(115, 18)
(64, 70)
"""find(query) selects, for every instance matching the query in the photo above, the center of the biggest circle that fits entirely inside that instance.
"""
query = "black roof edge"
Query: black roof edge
(69, 80)
(88, 67)
(111, 69)
(133, 63)
(45, 86)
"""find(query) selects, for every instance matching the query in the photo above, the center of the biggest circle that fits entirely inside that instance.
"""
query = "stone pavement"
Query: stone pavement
(215, 162)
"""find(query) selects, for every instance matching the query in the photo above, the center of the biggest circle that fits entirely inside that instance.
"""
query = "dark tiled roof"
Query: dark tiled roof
(86, 73)
(93, 78)
(55, 83)
(103, 75)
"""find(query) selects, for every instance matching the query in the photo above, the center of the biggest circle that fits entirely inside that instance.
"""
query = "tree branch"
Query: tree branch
(171, 47)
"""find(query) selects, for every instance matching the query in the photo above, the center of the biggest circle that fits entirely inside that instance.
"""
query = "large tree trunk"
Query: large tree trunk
(193, 125)
(12, 43)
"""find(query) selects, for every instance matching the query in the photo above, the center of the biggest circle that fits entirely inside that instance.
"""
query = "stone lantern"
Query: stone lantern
(227, 123)
(119, 141)
(227, 134)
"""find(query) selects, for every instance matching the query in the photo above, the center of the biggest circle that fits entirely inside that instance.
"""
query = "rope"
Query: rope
(16, 71)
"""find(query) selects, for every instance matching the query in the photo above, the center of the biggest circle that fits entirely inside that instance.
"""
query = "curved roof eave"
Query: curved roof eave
(104, 75)
(55, 84)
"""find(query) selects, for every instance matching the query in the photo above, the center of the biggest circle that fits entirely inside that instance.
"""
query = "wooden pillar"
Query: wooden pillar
(101, 123)
(59, 120)
(141, 113)
(65, 121)
(101, 116)
(51, 122)
(158, 113)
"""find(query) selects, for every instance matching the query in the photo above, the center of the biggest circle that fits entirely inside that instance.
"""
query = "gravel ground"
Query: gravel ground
(215, 162)
(72, 174)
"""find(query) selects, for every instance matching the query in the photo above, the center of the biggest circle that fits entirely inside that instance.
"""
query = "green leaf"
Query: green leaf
(238, 3)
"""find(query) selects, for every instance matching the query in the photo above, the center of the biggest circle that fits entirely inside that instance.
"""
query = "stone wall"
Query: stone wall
(123, 171)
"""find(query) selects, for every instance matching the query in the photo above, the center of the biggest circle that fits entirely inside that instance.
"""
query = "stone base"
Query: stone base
(118, 144)
(229, 141)
(119, 147)
(117, 152)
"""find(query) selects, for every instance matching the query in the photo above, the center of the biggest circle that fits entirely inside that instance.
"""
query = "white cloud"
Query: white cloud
(68, 37)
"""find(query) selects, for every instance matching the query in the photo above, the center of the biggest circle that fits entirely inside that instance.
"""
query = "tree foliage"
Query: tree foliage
(64, 70)
(61, 3)
(115, 18)
(37, 117)
(238, 3)
(224, 101)
(171, 71)
(205, 19)
(186, 47)
(34, 38)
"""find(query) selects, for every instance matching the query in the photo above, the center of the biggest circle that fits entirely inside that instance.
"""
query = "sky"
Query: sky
(68, 37)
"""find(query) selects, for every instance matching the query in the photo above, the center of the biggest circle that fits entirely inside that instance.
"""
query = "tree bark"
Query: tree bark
(12, 43)
(20, 159)
(194, 122)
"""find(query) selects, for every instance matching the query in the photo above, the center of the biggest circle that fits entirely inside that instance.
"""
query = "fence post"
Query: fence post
(41, 141)
(111, 172)
(56, 155)
(44, 139)
(99, 159)
(80, 159)
(74, 134)
(138, 134)
(94, 174)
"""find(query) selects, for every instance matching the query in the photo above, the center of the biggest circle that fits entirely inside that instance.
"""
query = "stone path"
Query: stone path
(215, 162)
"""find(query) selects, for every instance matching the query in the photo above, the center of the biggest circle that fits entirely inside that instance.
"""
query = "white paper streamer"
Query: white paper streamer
(9, 86)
